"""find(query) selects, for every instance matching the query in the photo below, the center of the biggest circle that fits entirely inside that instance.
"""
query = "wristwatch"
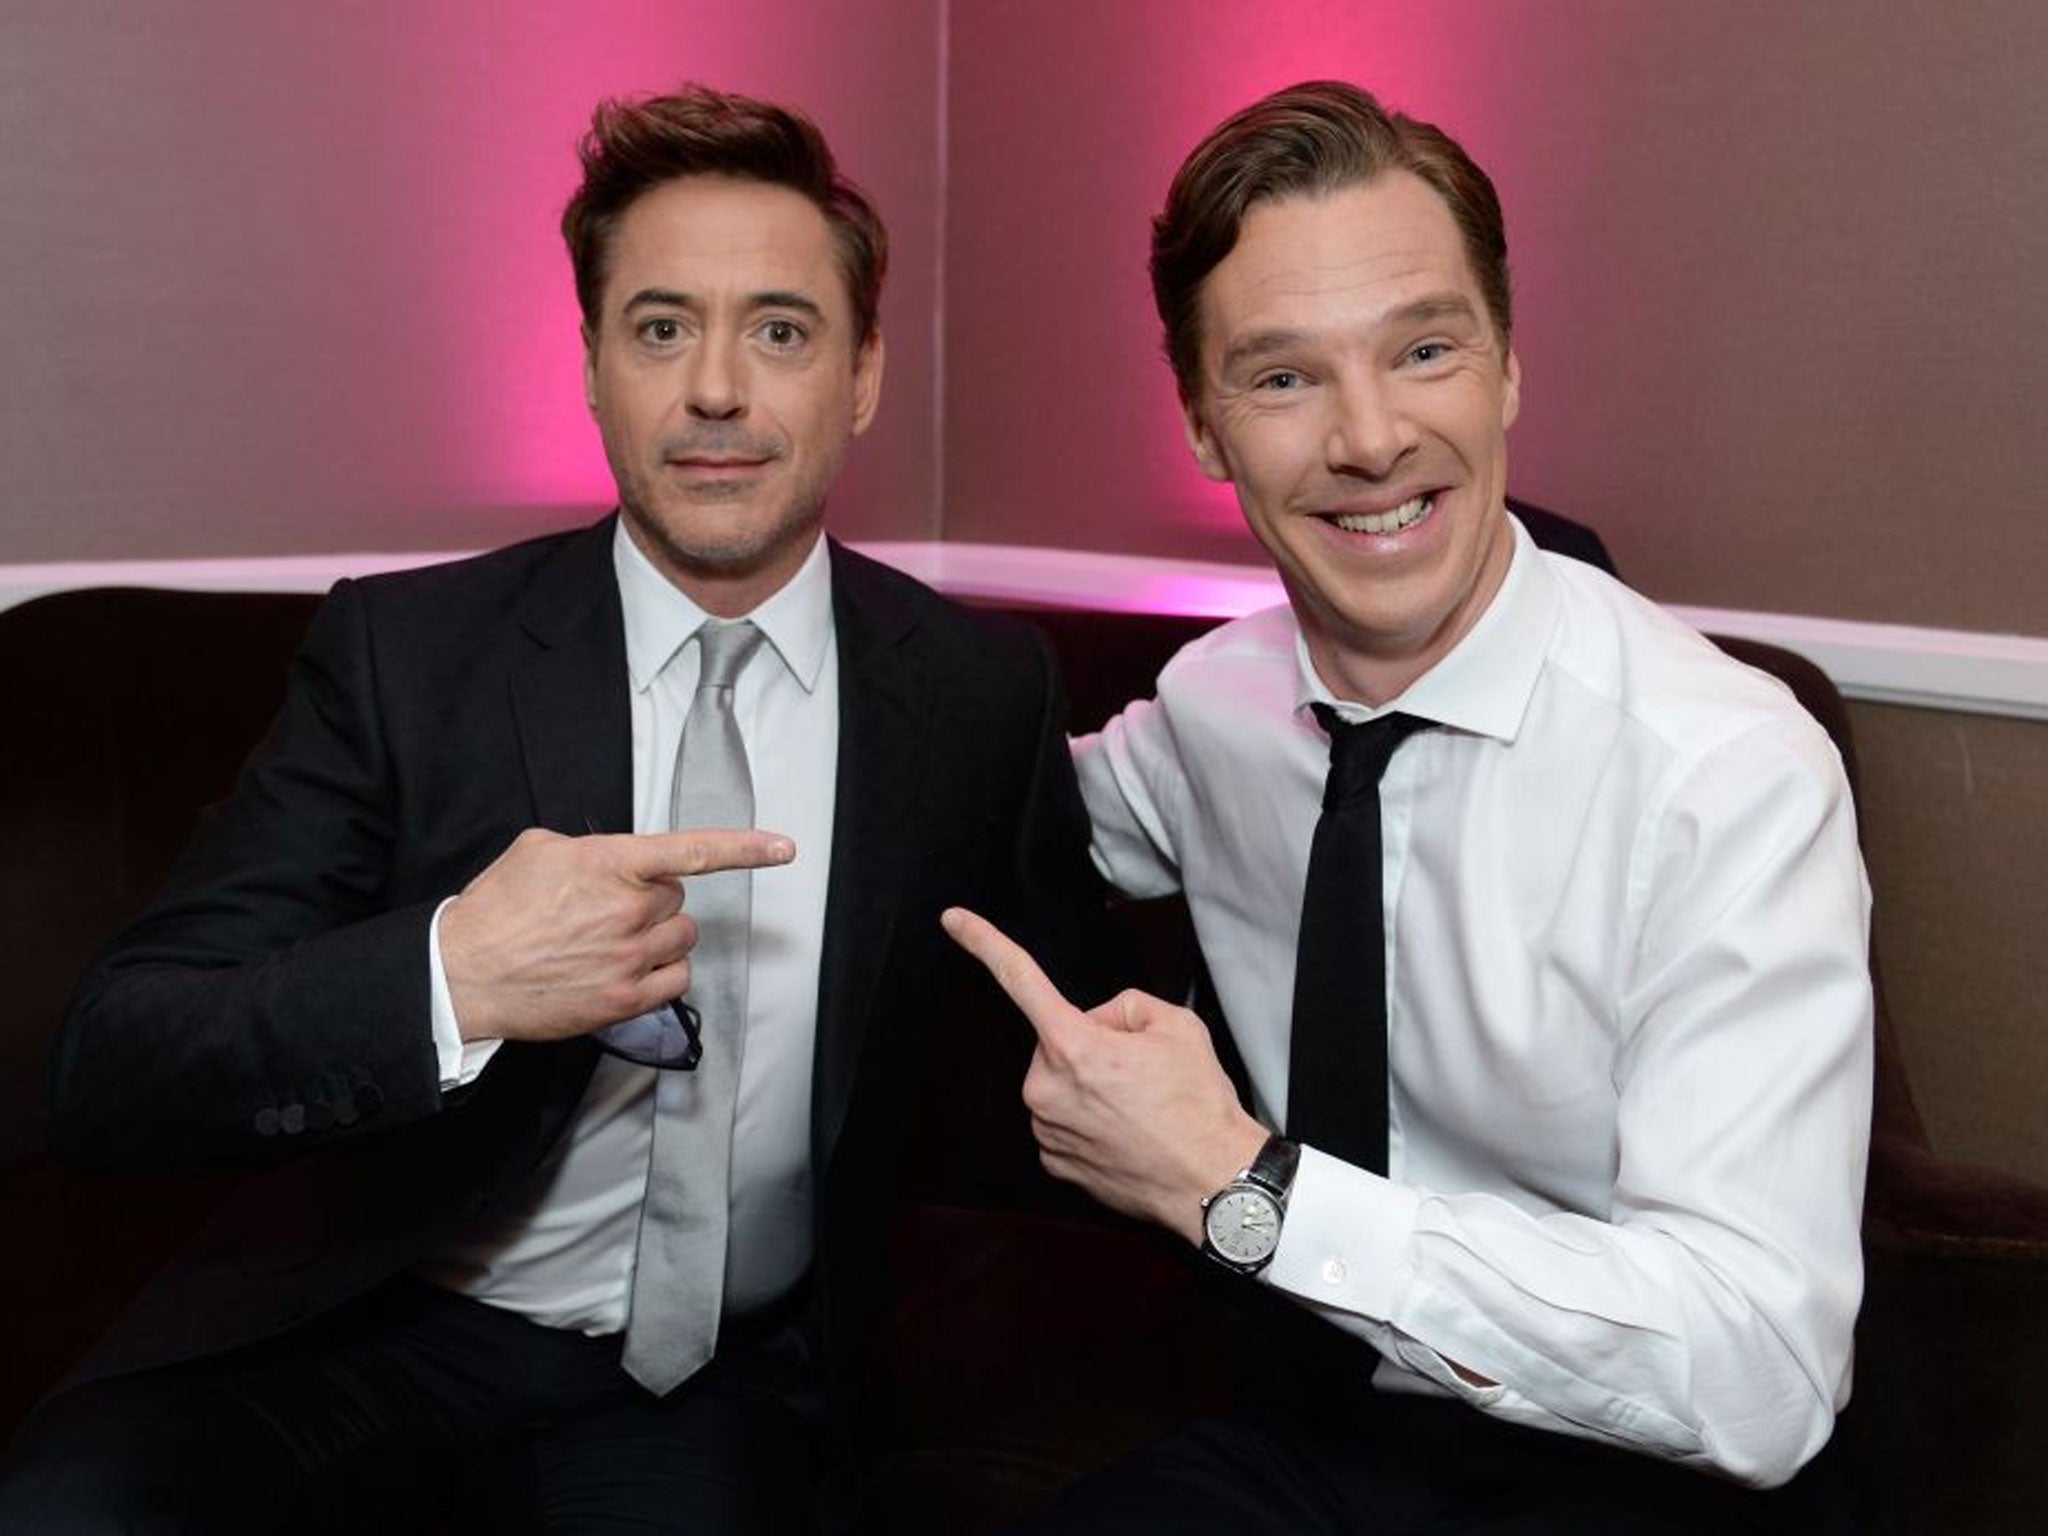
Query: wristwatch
(1241, 1221)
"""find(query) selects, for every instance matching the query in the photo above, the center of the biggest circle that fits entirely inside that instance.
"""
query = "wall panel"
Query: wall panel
(1777, 273)
(286, 278)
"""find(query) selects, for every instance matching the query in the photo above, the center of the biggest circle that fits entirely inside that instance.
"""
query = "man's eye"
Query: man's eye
(782, 333)
(1429, 351)
(662, 330)
(1279, 379)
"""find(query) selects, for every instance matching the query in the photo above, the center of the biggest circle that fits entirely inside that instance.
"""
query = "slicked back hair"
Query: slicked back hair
(1309, 140)
(634, 146)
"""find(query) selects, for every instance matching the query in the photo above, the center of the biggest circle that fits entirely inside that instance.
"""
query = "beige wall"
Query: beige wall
(280, 278)
(285, 278)
(1780, 306)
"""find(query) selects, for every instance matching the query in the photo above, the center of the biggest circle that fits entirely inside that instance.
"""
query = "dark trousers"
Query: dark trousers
(1427, 1467)
(1312, 1450)
(414, 1409)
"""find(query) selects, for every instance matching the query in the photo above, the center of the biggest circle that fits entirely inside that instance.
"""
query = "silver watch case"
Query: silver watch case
(1241, 1225)
(1241, 1221)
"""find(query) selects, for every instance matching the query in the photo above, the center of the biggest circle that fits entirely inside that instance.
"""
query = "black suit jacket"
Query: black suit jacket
(271, 1006)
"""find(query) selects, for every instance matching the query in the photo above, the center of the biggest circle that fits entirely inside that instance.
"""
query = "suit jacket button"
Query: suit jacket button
(266, 1122)
(344, 1109)
(292, 1119)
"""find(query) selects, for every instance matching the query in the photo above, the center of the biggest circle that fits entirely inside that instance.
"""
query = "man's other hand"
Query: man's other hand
(1127, 1100)
(563, 935)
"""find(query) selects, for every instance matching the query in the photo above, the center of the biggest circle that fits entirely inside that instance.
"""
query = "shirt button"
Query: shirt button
(1334, 1271)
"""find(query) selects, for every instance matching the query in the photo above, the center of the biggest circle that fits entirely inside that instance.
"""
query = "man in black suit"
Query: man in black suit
(423, 958)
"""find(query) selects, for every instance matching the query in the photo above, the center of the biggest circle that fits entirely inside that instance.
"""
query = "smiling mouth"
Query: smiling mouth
(1406, 515)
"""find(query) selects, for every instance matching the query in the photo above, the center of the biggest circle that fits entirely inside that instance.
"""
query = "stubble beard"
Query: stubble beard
(750, 549)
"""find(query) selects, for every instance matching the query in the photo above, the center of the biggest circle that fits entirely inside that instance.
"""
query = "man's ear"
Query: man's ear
(1202, 441)
(867, 380)
(1511, 395)
(589, 367)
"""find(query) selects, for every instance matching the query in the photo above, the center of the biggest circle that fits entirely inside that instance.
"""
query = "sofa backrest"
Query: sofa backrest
(126, 712)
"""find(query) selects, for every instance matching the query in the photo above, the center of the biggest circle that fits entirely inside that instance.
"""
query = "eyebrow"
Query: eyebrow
(773, 298)
(1260, 344)
(1426, 310)
(1437, 306)
(781, 298)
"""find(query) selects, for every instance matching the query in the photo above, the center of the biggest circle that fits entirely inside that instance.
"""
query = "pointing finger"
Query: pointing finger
(1015, 971)
(667, 855)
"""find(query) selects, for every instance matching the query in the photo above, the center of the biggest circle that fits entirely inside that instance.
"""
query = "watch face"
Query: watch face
(1244, 1225)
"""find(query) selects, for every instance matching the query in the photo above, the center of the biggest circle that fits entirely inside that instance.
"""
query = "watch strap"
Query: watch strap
(1276, 1164)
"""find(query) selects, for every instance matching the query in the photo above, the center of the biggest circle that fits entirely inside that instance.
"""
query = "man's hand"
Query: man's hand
(563, 935)
(1127, 1100)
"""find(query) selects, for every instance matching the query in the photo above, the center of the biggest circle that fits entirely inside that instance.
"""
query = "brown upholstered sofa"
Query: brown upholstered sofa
(1034, 1336)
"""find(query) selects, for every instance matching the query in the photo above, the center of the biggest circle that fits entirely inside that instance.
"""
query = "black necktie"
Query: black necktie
(1337, 1059)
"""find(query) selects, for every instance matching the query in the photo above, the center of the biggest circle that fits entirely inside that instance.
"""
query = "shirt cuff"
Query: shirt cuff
(1347, 1239)
(460, 1061)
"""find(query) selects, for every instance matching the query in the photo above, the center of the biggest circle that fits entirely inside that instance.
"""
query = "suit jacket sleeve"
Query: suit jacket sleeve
(271, 998)
(1060, 913)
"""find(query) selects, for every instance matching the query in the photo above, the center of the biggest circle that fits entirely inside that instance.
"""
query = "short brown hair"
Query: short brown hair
(634, 146)
(1310, 139)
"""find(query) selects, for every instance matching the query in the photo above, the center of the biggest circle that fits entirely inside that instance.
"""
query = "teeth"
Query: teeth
(1404, 516)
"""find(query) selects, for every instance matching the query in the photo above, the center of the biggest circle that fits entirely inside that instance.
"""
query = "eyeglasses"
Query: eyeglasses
(671, 1038)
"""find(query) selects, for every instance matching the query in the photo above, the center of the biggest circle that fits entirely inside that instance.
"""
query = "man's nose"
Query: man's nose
(714, 387)
(1373, 431)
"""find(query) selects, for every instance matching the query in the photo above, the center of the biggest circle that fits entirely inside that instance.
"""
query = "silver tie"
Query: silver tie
(679, 1265)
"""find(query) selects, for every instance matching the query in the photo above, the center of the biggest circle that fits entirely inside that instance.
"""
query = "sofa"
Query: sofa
(1034, 1335)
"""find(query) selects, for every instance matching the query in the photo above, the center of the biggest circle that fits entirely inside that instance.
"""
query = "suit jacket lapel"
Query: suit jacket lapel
(569, 691)
(575, 731)
(882, 710)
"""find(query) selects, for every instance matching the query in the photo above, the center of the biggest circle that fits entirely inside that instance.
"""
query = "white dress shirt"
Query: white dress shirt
(563, 1255)
(1629, 1010)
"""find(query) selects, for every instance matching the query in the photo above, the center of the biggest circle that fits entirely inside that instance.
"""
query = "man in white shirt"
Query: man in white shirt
(607, 1263)
(1605, 1232)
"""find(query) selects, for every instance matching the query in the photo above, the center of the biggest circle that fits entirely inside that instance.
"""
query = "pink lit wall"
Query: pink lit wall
(1778, 273)
(285, 278)
(280, 278)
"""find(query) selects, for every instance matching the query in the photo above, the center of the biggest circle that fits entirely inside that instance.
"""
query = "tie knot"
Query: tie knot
(725, 646)
(1361, 750)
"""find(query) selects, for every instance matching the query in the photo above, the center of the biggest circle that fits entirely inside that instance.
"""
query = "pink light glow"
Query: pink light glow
(1433, 61)
(512, 354)
(338, 228)
(1062, 425)
(1214, 597)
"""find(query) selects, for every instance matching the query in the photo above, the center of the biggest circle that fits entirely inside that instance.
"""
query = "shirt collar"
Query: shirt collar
(797, 620)
(1485, 683)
